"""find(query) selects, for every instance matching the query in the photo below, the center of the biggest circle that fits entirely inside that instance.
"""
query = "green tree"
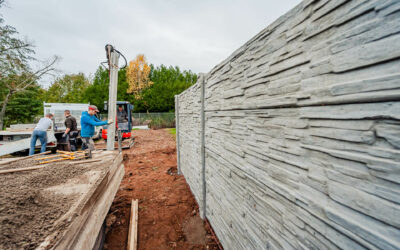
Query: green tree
(168, 82)
(159, 97)
(13, 84)
(68, 89)
(97, 92)
(25, 106)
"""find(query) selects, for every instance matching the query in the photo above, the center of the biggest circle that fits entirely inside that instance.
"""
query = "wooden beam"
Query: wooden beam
(19, 169)
(23, 158)
(50, 157)
(39, 167)
(136, 223)
(81, 162)
(50, 161)
(97, 212)
(65, 152)
(133, 228)
(89, 212)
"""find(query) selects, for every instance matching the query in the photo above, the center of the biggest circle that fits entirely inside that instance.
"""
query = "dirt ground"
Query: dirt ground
(168, 212)
(28, 212)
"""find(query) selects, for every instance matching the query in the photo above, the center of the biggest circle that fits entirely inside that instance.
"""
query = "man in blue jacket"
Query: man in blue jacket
(88, 122)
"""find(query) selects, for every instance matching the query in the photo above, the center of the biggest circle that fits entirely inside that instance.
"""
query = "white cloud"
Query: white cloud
(194, 35)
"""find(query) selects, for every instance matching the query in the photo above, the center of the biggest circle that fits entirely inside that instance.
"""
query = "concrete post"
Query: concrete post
(177, 132)
(112, 99)
(203, 155)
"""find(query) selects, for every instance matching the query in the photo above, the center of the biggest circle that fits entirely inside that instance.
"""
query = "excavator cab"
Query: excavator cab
(123, 120)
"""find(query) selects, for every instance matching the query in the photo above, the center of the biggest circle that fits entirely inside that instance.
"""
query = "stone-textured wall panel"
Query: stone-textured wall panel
(189, 137)
(274, 169)
(302, 132)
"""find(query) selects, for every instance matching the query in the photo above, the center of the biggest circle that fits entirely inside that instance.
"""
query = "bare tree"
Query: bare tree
(16, 83)
(16, 74)
(15, 53)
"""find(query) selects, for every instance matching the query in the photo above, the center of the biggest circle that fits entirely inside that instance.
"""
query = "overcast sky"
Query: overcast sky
(193, 35)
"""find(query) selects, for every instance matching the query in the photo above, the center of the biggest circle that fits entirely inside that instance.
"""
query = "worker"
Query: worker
(121, 115)
(88, 122)
(71, 131)
(40, 133)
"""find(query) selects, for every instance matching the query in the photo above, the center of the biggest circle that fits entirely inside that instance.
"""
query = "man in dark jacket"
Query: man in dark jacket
(71, 131)
(88, 122)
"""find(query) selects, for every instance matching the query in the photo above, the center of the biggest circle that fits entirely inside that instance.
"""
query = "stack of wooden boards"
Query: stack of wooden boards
(88, 193)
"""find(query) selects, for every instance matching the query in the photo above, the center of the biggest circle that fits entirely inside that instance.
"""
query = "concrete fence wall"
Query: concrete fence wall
(301, 132)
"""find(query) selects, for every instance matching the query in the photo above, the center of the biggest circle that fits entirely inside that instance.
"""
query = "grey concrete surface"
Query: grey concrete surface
(302, 132)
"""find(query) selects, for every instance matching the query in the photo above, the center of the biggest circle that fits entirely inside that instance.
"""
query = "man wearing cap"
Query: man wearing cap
(88, 122)
(40, 133)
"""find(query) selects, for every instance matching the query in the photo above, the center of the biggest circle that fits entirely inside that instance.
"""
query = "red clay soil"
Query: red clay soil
(168, 212)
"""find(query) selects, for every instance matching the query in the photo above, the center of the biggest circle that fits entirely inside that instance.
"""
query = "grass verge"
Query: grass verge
(172, 131)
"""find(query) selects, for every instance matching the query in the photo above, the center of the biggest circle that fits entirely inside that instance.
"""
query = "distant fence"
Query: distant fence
(154, 120)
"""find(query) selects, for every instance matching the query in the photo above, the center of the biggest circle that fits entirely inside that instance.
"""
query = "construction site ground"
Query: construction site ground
(168, 213)
(50, 205)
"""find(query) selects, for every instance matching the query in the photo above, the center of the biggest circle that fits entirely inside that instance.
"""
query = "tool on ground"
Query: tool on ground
(62, 156)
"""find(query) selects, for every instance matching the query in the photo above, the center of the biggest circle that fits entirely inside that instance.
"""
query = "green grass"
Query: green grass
(155, 120)
(172, 131)
(135, 129)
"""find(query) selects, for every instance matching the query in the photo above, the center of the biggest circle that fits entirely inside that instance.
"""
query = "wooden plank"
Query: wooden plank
(136, 223)
(45, 162)
(81, 162)
(23, 158)
(132, 235)
(65, 152)
(19, 169)
(53, 156)
(86, 213)
(39, 167)
(86, 237)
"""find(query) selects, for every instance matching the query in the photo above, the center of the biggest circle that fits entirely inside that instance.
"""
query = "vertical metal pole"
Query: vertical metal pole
(203, 155)
(112, 100)
(178, 159)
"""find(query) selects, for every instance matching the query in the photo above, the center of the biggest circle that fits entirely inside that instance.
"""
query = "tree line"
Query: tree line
(157, 97)
(149, 88)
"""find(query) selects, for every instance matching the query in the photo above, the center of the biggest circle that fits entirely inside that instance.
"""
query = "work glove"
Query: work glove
(110, 121)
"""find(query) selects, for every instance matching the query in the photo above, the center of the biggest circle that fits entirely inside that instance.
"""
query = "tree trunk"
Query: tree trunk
(3, 110)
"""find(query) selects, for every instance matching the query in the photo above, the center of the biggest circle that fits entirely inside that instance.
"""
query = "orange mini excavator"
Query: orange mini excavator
(123, 125)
